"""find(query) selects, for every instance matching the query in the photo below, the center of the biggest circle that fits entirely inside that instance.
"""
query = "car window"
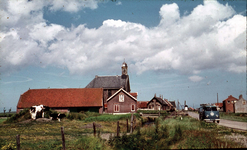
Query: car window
(210, 109)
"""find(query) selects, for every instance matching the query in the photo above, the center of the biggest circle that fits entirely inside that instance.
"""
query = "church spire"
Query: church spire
(124, 69)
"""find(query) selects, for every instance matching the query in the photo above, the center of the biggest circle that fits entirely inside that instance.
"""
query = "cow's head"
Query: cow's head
(32, 109)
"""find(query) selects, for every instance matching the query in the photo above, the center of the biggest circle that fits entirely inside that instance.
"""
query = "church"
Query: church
(104, 94)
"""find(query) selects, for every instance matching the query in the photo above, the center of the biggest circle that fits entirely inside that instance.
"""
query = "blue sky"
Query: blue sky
(183, 50)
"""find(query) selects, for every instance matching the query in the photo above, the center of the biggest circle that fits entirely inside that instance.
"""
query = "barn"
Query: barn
(97, 96)
(64, 100)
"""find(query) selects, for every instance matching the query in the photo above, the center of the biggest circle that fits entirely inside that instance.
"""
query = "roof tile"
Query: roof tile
(72, 97)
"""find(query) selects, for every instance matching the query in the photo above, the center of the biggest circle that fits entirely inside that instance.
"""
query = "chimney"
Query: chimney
(240, 96)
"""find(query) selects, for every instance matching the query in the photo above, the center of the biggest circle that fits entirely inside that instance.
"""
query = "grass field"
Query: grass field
(172, 133)
(7, 114)
(234, 117)
(2, 120)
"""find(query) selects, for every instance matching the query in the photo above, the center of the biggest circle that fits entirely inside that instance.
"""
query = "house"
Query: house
(142, 105)
(64, 100)
(170, 106)
(111, 84)
(228, 104)
(157, 103)
(121, 102)
(173, 105)
(240, 105)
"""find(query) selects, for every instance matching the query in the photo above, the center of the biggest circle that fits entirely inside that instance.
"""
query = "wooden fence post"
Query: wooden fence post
(63, 139)
(127, 124)
(94, 129)
(118, 128)
(18, 142)
(131, 124)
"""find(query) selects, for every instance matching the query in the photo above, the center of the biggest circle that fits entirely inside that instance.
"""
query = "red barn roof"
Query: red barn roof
(81, 97)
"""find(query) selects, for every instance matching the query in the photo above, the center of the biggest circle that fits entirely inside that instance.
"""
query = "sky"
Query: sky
(183, 50)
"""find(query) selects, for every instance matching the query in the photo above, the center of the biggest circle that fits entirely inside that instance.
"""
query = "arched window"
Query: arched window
(132, 107)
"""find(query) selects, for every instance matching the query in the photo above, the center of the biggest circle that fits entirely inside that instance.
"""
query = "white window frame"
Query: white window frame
(134, 107)
(116, 106)
(121, 98)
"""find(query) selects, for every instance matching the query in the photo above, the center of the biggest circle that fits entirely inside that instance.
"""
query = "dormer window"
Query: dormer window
(121, 98)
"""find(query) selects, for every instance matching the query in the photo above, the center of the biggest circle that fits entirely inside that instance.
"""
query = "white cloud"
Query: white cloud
(72, 5)
(198, 41)
(119, 3)
(195, 78)
(169, 14)
(44, 33)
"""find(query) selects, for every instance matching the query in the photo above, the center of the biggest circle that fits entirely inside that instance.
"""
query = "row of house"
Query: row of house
(233, 105)
(104, 94)
(157, 103)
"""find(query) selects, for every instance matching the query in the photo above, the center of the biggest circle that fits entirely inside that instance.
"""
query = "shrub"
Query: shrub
(89, 142)
(152, 111)
(77, 116)
(178, 133)
(109, 117)
(22, 115)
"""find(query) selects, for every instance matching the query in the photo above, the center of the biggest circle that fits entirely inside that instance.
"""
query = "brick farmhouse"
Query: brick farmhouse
(101, 95)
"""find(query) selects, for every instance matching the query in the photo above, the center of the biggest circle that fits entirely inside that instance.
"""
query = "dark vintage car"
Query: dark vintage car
(209, 113)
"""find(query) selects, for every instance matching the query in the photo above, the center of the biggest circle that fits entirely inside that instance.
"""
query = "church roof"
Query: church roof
(71, 97)
(109, 82)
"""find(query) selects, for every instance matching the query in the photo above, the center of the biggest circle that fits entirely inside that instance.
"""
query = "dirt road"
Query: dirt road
(226, 123)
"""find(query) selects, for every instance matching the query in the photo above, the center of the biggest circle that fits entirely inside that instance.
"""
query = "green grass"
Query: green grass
(152, 111)
(2, 120)
(234, 116)
(172, 133)
(109, 117)
(175, 133)
(7, 114)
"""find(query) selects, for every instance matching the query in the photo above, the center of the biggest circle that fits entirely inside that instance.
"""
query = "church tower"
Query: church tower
(124, 70)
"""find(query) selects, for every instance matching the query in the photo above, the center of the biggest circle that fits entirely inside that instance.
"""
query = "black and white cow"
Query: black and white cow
(35, 110)
(57, 116)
